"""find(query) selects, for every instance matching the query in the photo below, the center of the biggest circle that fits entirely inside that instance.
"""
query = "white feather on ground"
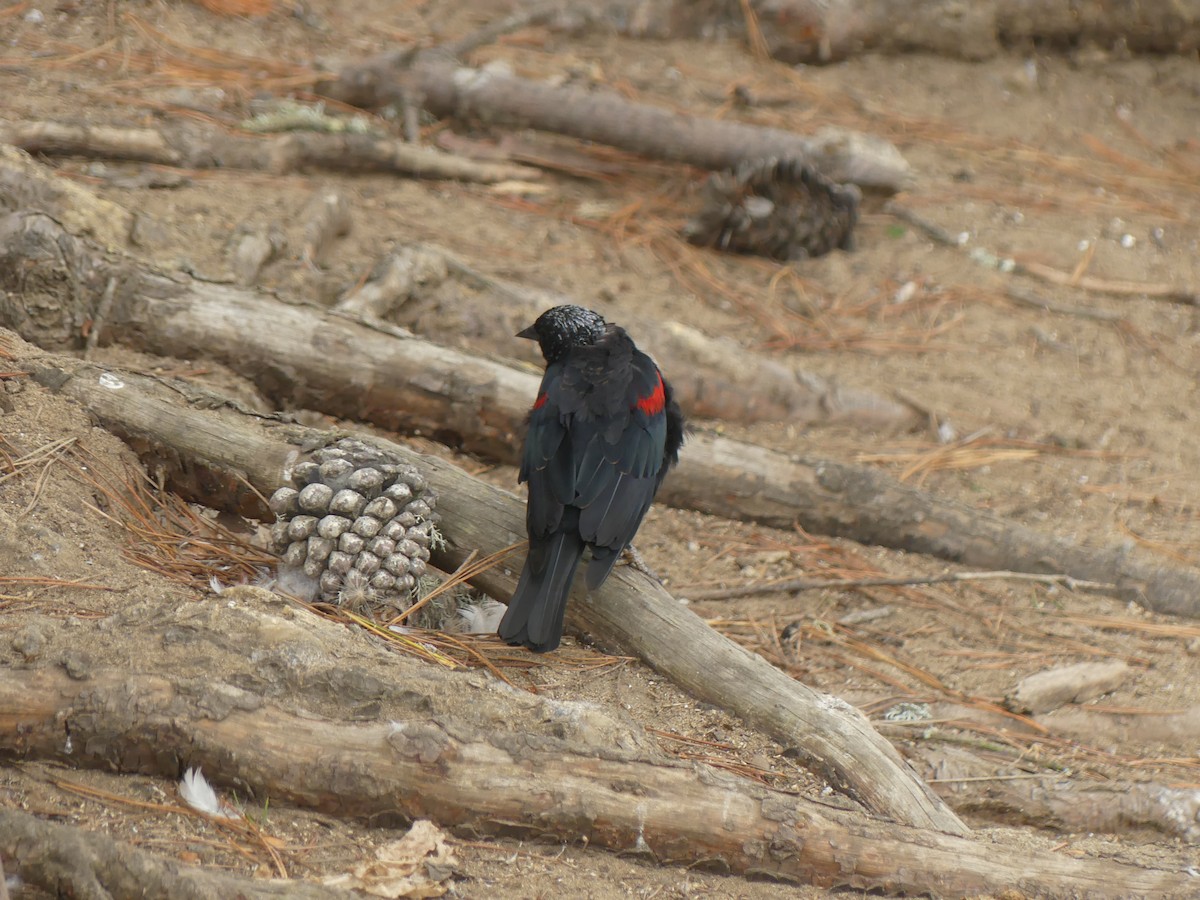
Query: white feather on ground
(483, 617)
(197, 793)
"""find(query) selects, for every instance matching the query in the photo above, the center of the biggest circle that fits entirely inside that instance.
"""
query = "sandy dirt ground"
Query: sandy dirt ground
(1080, 422)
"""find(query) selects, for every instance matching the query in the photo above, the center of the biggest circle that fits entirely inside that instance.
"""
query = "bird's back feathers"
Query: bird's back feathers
(603, 433)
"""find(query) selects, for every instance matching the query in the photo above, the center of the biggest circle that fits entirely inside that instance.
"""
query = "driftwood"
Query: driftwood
(72, 862)
(193, 146)
(498, 98)
(421, 287)
(1051, 688)
(304, 357)
(211, 453)
(452, 747)
(828, 30)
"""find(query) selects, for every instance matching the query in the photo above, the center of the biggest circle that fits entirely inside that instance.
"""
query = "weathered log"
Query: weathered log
(211, 450)
(828, 30)
(420, 287)
(449, 746)
(193, 146)
(496, 98)
(305, 357)
(71, 862)
(1054, 800)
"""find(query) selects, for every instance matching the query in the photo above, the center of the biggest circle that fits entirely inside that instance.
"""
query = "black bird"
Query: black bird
(603, 433)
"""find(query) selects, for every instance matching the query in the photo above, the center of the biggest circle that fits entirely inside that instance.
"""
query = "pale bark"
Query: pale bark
(447, 88)
(304, 357)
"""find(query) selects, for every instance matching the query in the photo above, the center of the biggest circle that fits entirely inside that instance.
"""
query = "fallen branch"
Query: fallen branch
(820, 31)
(308, 358)
(421, 287)
(497, 98)
(227, 459)
(71, 862)
(1032, 300)
(473, 770)
(795, 585)
(1053, 800)
(192, 146)
(988, 259)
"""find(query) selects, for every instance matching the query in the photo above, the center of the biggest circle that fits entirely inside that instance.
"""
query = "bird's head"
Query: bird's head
(562, 328)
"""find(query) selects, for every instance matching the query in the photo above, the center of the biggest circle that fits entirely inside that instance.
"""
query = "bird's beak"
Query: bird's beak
(528, 333)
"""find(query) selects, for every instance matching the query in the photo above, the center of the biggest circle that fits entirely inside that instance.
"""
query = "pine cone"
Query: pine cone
(355, 528)
(782, 209)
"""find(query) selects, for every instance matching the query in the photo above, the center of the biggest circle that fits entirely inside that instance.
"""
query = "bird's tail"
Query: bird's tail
(536, 610)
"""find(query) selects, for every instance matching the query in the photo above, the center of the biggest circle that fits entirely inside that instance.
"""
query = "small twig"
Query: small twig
(966, 779)
(470, 568)
(103, 308)
(930, 229)
(1008, 265)
(792, 585)
(1028, 298)
(535, 15)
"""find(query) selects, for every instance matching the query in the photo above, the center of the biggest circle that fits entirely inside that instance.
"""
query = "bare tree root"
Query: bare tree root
(475, 772)
(308, 358)
(71, 862)
(495, 98)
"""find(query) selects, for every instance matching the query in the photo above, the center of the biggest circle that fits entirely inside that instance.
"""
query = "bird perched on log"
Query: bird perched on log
(782, 209)
(603, 433)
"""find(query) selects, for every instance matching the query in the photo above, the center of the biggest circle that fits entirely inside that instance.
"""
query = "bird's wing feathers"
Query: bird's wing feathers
(596, 442)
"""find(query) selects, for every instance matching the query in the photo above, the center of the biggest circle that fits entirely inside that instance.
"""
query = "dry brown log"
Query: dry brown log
(307, 358)
(71, 862)
(211, 452)
(828, 30)
(451, 747)
(498, 98)
(195, 147)
(1052, 800)
(421, 287)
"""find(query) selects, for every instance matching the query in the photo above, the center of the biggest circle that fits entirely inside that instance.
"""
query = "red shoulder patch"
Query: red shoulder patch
(539, 402)
(653, 403)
